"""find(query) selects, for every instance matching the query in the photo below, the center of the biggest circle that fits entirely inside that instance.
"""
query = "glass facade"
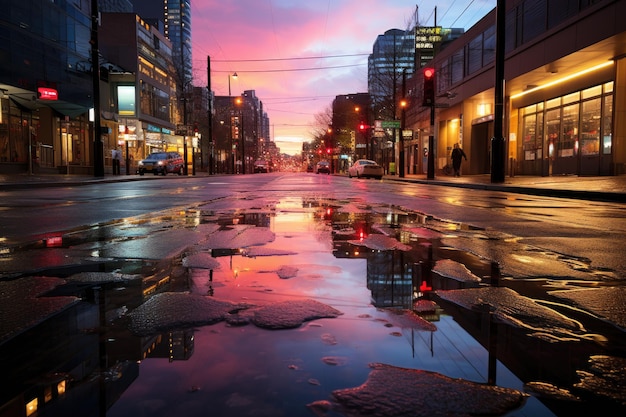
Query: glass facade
(577, 130)
(43, 43)
(393, 52)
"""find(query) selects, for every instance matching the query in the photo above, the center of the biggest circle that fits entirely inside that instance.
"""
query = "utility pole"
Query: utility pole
(98, 150)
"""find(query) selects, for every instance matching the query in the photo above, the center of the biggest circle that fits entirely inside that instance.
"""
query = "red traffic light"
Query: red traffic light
(429, 87)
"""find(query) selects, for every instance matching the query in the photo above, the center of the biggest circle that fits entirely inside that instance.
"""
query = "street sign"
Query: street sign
(391, 124)
(183, 130)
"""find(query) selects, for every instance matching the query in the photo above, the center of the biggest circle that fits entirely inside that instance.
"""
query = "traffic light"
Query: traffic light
(429, 87)
(362, 127)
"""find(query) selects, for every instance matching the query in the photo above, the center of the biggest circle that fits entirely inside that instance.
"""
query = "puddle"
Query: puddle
(299, 306)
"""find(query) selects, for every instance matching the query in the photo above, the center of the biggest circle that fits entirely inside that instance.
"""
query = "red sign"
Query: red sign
(45, 93)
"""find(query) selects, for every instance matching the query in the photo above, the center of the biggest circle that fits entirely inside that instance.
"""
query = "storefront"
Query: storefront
(569, 129)
(564, 101)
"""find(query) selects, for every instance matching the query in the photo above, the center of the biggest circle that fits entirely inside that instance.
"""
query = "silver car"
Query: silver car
(365, 168)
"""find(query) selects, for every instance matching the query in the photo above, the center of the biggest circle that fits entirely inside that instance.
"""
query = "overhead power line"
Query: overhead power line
(295, 69)
(288, 59)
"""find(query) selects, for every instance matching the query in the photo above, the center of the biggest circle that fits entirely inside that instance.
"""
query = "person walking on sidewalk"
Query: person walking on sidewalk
(457, 157)
(116, 155)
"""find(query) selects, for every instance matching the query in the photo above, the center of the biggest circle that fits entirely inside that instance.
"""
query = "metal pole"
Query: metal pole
(430, 174)
(402, 126)
(498, 145)
(98, 150)
(209, 114)
(243, 144)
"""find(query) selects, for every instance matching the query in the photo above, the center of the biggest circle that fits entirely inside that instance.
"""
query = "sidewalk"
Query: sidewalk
(612, 189)
(606, 188)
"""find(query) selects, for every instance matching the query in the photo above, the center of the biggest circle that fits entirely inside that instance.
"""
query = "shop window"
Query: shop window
(555, 102)
(553, 131)
(590, 127)
(607, 125)
(569, 142)
(592, 92)
(529, 139)
(571, 98)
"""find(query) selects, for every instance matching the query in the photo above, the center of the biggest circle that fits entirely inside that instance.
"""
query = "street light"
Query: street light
(239, 102)
(403, 104)
(229, 76)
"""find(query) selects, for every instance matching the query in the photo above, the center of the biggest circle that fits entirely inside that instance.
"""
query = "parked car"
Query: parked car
(365, 168)
(322, 167)
(261, 165)
(162, 163)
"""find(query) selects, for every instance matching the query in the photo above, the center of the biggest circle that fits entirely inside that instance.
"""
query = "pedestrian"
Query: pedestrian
(115, 156)
(457, 157)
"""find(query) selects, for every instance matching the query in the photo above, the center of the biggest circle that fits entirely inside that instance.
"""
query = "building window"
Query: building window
(529, 138)
(534, 19)
(590, 127)
(475, 54)
(560, 10)
(489, 46)
(457, 67)
(569, 143)
(607, 125)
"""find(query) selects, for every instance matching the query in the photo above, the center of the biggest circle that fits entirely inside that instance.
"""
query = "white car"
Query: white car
(365, 168)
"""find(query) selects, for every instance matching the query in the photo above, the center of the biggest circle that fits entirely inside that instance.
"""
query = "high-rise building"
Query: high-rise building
(142, 93)
(392, 54)
(175, 16)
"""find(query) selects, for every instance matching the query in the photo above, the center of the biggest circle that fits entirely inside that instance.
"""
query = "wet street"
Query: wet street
(299, 294)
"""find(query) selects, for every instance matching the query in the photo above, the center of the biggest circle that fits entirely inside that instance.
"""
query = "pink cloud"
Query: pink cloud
(275, 32)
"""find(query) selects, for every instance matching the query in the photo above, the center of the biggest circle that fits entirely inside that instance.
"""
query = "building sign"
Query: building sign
(153, 128)
(126, 100)
(427, 38)
(46, 93)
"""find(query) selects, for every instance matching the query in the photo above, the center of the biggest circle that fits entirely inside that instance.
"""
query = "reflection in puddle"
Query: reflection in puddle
(266, 307)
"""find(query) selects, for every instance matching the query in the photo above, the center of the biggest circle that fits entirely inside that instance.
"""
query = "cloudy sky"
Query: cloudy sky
(299, 54)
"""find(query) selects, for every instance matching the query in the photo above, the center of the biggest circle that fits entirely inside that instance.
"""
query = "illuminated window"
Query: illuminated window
(61, 388)
(31, 407)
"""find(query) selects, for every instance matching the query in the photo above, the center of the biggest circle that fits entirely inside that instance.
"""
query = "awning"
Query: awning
(65, 108)
(30, 102)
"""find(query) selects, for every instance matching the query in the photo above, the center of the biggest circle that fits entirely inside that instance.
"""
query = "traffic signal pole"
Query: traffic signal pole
(429, 101)
(430, 172)
(98, 147)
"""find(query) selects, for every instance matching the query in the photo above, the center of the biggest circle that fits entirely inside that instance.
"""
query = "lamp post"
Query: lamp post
(229, 76)
(242, 135)
(232, 149)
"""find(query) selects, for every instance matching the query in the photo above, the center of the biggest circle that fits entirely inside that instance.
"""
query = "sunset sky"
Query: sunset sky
(299, 54)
